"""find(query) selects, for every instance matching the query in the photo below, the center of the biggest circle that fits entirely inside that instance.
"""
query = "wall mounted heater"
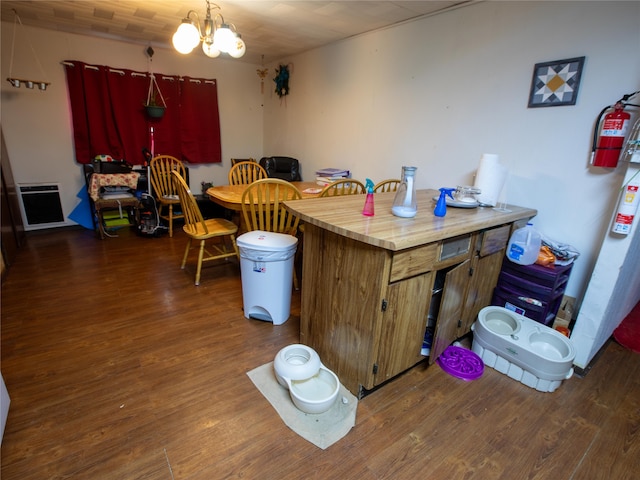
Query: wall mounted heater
(40, 206)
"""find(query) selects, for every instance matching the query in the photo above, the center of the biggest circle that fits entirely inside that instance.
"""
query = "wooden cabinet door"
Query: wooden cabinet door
(485, 269)
(450, 314)
(403, 325)
(484, 277)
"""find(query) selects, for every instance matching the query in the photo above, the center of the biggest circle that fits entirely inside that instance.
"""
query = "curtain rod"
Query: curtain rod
(137, 74)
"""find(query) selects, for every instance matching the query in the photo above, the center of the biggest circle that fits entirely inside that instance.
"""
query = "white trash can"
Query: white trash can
(266, 267)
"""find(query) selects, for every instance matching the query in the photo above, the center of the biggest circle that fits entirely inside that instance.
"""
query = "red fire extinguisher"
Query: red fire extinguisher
(612, 135)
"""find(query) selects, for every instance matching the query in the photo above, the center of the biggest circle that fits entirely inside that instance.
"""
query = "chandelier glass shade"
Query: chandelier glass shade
(216, 36)
(239, 49)
(187, 37)
(209, 50)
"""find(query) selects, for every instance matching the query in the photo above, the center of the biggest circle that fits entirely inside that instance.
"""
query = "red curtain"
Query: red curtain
(109, 118)
(200, 127)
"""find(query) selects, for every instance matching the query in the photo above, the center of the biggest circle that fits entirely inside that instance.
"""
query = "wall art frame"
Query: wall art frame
(556, 83)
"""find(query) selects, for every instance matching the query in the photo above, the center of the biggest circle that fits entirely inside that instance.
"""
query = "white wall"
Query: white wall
(37, 125)
(613, 291)
(438, 92)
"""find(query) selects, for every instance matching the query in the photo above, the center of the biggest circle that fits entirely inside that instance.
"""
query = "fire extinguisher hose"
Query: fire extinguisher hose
(597, 129)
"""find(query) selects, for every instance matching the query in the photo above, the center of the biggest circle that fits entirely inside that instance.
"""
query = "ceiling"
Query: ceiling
(275, 29)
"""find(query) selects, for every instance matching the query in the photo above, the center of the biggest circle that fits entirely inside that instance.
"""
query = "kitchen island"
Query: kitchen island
(372, 285)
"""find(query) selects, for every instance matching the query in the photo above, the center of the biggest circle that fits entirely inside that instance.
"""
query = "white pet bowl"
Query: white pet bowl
(316, 394)
(296, 362)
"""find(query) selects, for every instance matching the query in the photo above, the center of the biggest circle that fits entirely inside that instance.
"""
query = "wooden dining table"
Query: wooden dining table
(230, 196)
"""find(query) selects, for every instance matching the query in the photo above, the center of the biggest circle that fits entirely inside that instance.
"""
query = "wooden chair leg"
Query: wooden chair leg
(186, 254)
(297, 258)
(235, 246)
(295, 279)
(170, 220)
(100, 224)
(200, 256)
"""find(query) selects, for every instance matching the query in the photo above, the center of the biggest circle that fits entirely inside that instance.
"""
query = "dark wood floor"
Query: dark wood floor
(118, 367)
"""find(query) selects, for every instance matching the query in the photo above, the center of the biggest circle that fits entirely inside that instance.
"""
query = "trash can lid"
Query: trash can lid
(267, 241)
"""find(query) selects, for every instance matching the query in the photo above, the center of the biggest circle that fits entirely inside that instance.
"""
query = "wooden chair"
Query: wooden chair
(263, 209)
(390, 185)
(163, 186)
(347, 186)
(197, 228)
(238, 160)
(244, 173)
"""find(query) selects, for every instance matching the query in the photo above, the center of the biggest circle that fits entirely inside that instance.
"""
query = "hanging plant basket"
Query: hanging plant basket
(155, 111)
(153, 108)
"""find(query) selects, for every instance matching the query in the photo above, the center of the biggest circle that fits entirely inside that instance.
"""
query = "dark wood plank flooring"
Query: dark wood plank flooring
(118, 367)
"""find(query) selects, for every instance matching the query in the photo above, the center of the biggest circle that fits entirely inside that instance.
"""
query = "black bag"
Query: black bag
(106, 164)
(148, 218)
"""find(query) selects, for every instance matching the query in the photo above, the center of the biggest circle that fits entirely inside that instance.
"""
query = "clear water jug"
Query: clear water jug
(524, 245)
(404, 203)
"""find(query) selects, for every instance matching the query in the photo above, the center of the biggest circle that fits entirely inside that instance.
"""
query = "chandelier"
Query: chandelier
(216, 37)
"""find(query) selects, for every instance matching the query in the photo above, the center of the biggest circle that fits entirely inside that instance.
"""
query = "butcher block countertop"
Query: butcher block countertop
(343, 215)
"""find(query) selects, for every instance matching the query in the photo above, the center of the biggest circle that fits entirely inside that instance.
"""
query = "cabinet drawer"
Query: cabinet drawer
(525, 287)
(494, 240)
(539, 310)
(412, 262)
(553, 278)
(453, 250)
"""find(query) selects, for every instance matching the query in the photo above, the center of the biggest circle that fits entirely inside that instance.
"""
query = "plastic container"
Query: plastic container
(266, 268)
(524, 245)
(404, 203)
(466, 194)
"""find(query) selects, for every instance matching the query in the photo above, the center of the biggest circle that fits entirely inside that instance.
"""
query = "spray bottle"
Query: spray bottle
(368, 203)
(441, 206)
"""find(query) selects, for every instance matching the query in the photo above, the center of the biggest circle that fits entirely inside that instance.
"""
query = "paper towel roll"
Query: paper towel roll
(490, 179)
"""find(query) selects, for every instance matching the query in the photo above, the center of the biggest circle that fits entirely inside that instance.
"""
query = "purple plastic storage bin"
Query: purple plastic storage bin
(520, 284)
(531, 290)
(523, 304)
(552, 278)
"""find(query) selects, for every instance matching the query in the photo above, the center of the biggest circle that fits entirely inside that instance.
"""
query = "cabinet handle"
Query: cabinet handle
(383, 307)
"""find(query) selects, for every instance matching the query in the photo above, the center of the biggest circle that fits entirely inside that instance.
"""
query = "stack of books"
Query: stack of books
(330, 175)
